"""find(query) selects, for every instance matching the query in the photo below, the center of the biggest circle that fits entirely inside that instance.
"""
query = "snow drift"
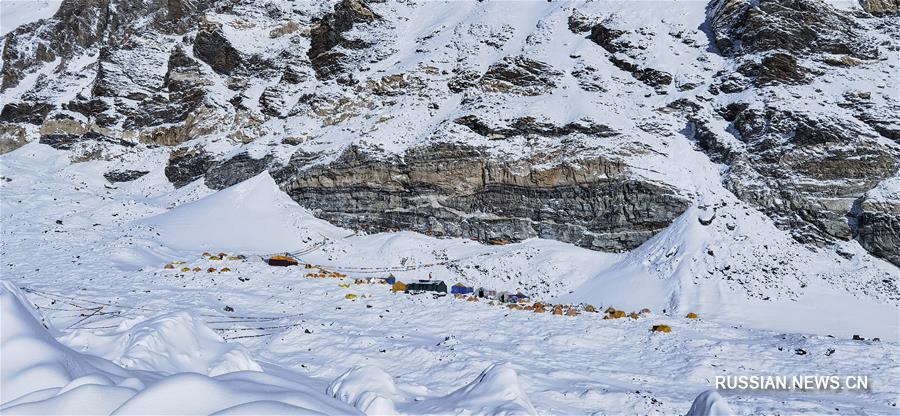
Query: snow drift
(41, 376)
(168, 344)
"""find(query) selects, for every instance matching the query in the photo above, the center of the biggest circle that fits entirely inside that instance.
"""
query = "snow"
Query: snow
(293, 342)
(252, 216)
(15, 13)
(112, 331)
(710, 403)
(42, 376)
(170, 343)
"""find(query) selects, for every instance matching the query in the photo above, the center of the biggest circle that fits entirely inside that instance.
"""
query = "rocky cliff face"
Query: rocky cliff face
(563, 120)
(453, 190)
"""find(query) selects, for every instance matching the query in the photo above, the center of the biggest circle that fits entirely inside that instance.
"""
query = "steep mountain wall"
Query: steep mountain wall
(561, 120)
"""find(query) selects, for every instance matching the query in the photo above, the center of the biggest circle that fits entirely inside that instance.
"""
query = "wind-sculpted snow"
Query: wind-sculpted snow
(710, 403)
(41, 376)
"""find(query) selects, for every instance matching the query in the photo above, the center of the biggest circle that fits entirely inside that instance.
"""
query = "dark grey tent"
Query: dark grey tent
(426, 286)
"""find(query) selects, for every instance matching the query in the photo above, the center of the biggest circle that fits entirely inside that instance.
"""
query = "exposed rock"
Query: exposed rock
(459, 191)
(183, 72)
(530, 126)
(327, 35)
(211, 46)
(796, 26)
(463, 79)
(579, 22)
(651, 77)
(12, 137)
(776, 68)
(68, 141)
(805, 172)
(881, 7)
(710, 142)
(876, 225)
(520, 75)
(124, 175)
(25, 112)
(607, 37)
(235, 170)
(187, 165)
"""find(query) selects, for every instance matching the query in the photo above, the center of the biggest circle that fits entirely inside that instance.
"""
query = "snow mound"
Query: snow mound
(710, 403)
(496, 391)
(32, 360)
(367, 388)
(41, 376)
(253, 216)
(170, 343)
(676, 272)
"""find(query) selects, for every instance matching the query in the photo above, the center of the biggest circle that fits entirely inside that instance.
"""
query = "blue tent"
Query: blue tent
(390, 279)
(460, 289)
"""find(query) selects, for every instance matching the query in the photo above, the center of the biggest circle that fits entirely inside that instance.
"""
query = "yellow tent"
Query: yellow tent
(185, 269)
(225, 270)
(661, 328)
(691, 315)
(398, 287)
(169, 266)
(350, 296)
(197, 269)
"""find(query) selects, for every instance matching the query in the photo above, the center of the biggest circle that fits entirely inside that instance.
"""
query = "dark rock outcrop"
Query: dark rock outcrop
(68, 141)
(124, 175)
(520, 75)
(804, 171)
(651, 77)
(876, 225)
(25, 112)
(776, 68)
(453, 190)
(235, 170)
(327, 37)
(187, 165)
(607, 37)
(796, 26)
(527, 126)
(211, 46)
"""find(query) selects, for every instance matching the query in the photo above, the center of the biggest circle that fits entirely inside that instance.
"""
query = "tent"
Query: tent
(398, 287)
(390, 279)
(282, 261)
(426, 286)
(460, 289)
(486, 293)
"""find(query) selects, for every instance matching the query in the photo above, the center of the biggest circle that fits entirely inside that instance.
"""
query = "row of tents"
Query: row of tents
(459, 289)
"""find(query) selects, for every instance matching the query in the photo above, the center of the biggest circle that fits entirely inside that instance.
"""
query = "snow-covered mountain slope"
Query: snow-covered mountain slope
(608, 125)
(735, 158)
(98, 277)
